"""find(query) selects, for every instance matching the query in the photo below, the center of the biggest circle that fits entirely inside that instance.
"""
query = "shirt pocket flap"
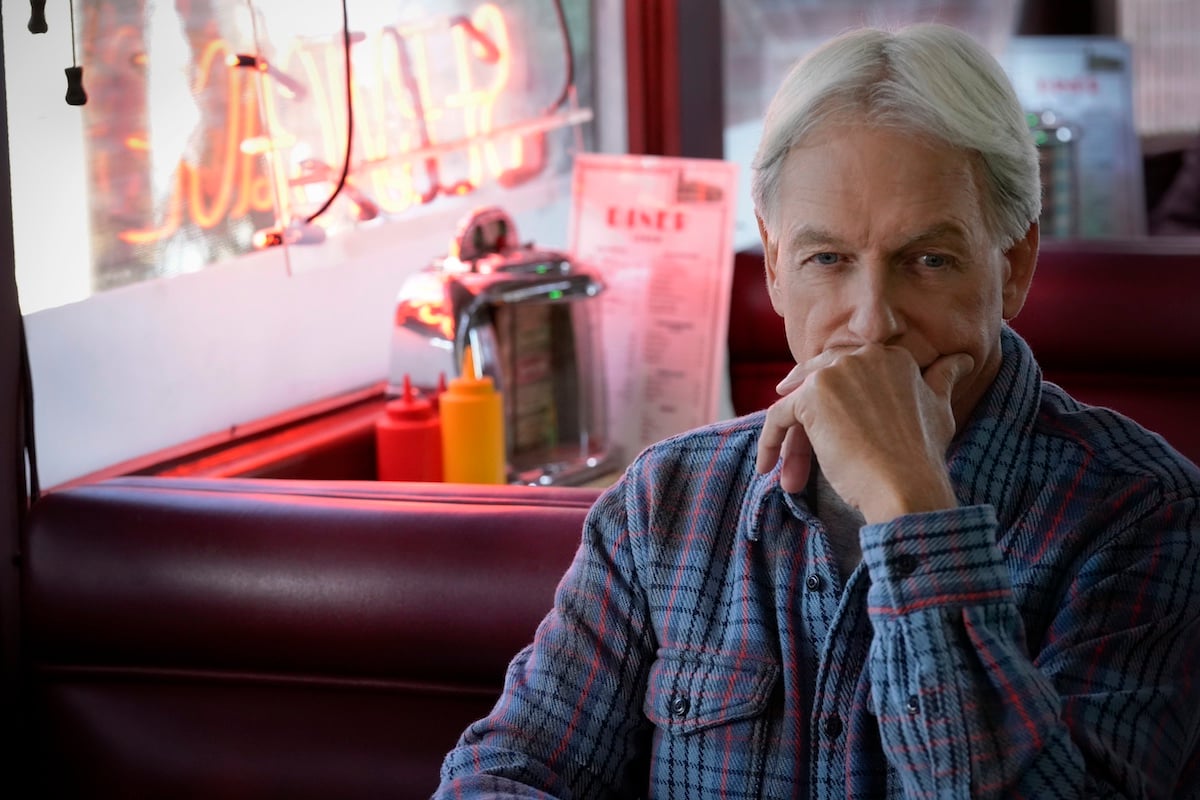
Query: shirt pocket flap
(689, 692)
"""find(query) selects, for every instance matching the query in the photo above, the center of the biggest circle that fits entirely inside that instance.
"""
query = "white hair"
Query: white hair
(930, 80)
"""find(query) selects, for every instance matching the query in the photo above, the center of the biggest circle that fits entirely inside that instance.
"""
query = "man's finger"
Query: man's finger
(942, 375)
(784, 437)
(771, 438)
(797, 460)
(801, 371)
(793, 379)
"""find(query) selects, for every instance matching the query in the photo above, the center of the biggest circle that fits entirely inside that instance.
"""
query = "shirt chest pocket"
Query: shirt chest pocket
(689, 692)
(711, 724)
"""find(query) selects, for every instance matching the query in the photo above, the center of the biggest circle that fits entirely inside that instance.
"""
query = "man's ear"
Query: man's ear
(1021, 259)
(770, 259)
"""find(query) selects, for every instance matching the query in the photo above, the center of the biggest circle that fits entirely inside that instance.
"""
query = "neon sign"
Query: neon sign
(294, 110)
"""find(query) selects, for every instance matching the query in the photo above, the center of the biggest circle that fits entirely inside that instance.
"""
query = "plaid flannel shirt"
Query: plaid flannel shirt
(1041, 641)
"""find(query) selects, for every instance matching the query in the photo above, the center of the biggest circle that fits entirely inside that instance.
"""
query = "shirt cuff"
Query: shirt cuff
(938, 558)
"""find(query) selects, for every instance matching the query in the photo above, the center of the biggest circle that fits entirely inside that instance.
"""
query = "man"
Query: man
(922, 572)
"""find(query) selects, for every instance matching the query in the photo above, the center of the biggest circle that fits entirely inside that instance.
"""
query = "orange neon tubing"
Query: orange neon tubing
(469, 101)
(490, 19)
(207, 218)
(174, 215)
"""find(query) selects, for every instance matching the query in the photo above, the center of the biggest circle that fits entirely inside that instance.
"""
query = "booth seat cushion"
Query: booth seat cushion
(251, 638)
(1113, 322)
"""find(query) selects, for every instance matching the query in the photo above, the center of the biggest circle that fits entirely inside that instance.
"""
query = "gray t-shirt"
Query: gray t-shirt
(842, 522)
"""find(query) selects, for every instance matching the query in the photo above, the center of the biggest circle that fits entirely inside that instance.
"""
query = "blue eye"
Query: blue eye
(826, 259)
(934, 261)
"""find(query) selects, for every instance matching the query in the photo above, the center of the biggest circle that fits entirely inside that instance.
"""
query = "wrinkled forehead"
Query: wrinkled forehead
(854, 119)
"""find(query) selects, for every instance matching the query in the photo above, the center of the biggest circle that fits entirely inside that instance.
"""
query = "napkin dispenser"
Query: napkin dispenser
(530, 319)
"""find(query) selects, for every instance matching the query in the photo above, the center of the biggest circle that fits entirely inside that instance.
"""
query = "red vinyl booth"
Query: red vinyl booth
(248, 638)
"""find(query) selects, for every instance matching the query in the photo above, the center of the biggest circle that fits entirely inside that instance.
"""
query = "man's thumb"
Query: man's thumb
(942, 375)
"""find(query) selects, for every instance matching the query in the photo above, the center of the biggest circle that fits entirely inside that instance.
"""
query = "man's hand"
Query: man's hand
(879, 427)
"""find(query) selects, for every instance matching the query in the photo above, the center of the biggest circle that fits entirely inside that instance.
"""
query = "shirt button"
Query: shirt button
(833, 726)
(814, 582)
(680, 707)
(906, 564)
(912, 706)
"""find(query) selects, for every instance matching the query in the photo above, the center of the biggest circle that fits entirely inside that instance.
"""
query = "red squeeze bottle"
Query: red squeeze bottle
(408, 439)
(441, 389)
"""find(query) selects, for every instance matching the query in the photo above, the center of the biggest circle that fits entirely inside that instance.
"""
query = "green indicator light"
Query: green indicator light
(555, 294)
(1032, 120)
(1040, 138)
(542, 269)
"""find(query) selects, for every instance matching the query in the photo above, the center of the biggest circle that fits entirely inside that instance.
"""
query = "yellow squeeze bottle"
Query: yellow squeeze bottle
(472, 411)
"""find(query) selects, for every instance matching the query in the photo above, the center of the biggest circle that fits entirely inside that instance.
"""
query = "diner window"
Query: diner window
(193, 247)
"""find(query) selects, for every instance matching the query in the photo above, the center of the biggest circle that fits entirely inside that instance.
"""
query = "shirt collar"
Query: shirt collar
(988, 457)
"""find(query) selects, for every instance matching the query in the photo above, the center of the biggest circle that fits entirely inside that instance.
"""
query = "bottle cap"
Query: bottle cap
(436, 397)
(468, 382)
(410, 406)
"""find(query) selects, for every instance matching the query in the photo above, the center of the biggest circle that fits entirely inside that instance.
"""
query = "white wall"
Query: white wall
(48, 171)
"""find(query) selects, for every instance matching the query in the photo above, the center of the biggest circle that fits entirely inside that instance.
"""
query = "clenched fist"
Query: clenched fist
(877, 423)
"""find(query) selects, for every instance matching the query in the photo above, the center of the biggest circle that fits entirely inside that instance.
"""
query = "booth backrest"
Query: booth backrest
(249, 638)
(1116, 323)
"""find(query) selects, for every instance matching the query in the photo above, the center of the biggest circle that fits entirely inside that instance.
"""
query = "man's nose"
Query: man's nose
(875, 319)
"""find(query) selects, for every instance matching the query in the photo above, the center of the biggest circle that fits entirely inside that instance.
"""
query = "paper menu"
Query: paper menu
(659, 233)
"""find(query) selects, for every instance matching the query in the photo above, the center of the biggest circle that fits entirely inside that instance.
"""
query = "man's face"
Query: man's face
(879, 237)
